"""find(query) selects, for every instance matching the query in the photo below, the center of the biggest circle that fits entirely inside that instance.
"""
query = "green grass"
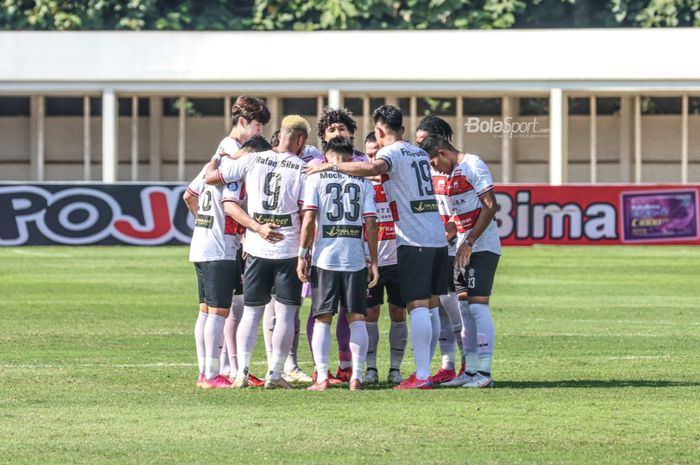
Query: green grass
(597, 361)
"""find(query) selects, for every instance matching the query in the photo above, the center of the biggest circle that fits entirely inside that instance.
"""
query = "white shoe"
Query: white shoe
(240, 382)
(460, 380)
(297, 376)
(479, 382)
(394, 377)
(276, 383)
(371, 376)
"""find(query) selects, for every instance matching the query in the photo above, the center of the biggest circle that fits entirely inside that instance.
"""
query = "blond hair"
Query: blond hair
(296, 123)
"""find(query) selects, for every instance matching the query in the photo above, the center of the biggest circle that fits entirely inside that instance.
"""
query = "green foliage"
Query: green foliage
(311, 15)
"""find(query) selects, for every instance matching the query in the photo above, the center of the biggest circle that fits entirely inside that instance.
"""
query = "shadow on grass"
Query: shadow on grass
(594, 383)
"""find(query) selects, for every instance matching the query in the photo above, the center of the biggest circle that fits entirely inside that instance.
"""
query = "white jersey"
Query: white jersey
(275, 185)
(342, 202)
(443, 200)
(229, 146)
(409, 184)
(216, 236)
(470, 179)
(386, 244)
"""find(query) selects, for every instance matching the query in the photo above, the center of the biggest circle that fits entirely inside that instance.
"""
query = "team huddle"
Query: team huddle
(277, 222)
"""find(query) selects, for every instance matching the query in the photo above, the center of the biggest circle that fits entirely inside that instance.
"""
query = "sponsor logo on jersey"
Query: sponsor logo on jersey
(458, 185)
(440, 185)
(424, 206)
(466, 221)
(354, 232)
(204, 221)
(386, 231)
(282, 221)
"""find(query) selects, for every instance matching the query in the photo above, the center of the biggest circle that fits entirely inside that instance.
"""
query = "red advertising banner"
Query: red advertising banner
(146, 214)
(598, 214)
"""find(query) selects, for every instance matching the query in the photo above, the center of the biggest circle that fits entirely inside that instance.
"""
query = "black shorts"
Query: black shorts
(241, 269)
(389, 280)
(450, 273)
(477, 278)
(262, 274)
(330, 288)
(422, 272)
(216, 281)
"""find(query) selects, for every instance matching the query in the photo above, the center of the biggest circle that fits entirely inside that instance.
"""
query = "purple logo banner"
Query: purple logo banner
(659, 215)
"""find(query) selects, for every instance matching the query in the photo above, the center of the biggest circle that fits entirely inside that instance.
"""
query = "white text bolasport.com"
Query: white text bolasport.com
(505, 127)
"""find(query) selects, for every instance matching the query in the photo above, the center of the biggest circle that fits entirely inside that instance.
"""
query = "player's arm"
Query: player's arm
(352, 168)
(266, 231)
(489, 205)
(191, 202)
(223, 169)
(450, 230)
(372, 234)
(307, 238)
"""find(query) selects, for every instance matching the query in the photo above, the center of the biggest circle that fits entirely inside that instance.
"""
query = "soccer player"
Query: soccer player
(420, 234)
(389, 279)
(450, 322)
(215, 244)
(229, 363)
(335, 122)
(473, 203)
(275, 182)
(335, 205)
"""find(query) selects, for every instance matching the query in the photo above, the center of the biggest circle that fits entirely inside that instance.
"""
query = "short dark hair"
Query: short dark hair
(433, 142)
(390, 116)
(370, 138)
(275, 139)
(435, 125)
(249, 108)
(257, 144)
(341, 145)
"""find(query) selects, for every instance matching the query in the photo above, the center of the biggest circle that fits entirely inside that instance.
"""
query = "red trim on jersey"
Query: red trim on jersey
(242, 196)
(379, 194)
(394, 211)
(230, 227)
(459, 185)
(310, 207)
(370, 214)
(384, 178)
(466, 221)
(445, 218)
(440, 185)
(195, 194)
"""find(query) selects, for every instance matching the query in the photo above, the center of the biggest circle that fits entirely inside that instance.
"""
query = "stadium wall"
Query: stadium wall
(154, 214)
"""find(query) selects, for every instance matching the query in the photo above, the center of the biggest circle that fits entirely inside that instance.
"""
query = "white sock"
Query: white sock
(359, 340)
(485, 335)
(213, 340)
(247, 337)
(235, 319)
(421, 336)
(225, 367)
(398, 336)
(372, 343)
(450, 304)
(199, 339)
(448, 345)
(282, 337)
(269, 327)
(321, 347)
(471, 354)
(435, 326)
(292, 362)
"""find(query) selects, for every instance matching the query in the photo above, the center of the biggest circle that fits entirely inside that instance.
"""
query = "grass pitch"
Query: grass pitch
(597, 361)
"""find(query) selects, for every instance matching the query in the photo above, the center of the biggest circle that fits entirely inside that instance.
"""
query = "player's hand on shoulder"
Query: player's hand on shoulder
(316, 168)
(373, 275)
(267, 232)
